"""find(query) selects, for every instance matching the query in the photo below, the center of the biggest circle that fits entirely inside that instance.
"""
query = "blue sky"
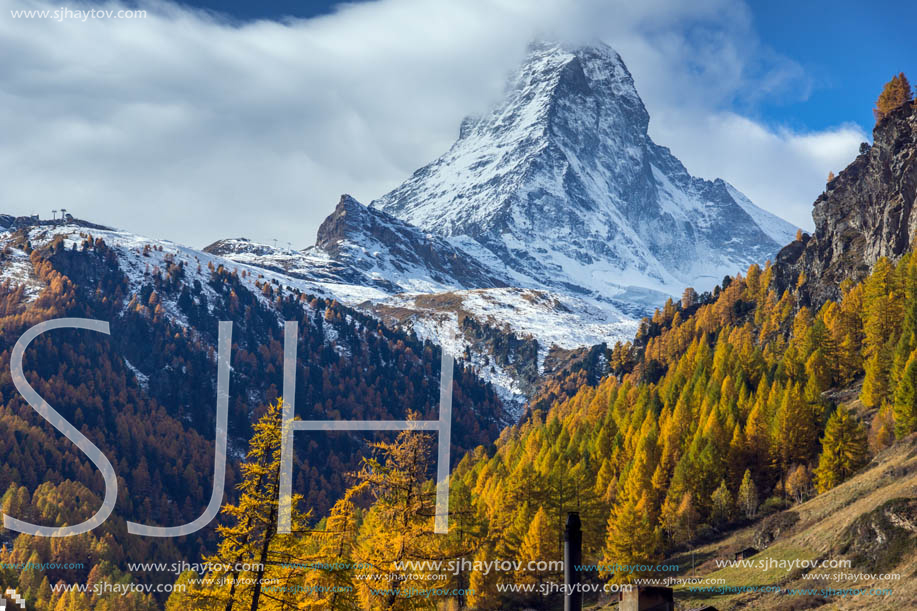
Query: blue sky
(250, 119)
(848, 48)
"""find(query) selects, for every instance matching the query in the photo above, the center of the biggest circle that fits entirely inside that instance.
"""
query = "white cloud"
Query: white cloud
(780, 170)
(187, 127)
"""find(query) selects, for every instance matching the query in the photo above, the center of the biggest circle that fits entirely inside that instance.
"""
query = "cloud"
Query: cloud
(780, 170)
(188, 126)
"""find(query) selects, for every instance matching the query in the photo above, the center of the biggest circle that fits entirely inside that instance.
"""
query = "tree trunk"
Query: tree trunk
(269, 530)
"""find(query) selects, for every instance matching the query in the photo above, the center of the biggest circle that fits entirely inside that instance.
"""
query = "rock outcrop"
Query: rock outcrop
(866, 212)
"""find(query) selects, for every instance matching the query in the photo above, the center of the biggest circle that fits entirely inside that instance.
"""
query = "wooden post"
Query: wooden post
(573, 558)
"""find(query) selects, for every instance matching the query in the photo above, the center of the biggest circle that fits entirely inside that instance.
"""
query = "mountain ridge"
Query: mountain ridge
(554, 218)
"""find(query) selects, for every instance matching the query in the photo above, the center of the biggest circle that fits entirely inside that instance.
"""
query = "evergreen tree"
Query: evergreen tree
(250, 536)
(795, 429)
(882, 324)
(331, 584)
(631, 540)
(399, 525)
(843, 450)
(481, 586)
(722, 505)
(537, 545)
(876, 383)
(905, 400)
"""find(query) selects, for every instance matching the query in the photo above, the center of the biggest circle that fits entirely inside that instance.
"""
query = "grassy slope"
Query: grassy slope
(822, 521)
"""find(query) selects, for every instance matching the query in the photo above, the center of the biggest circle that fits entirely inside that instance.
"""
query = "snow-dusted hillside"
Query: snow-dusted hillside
(410, 278)
(138, 257)
(358, 246)
(505, 334)
(562, 185)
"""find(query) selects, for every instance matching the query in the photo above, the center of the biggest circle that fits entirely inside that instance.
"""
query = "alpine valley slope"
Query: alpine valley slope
(554, 222)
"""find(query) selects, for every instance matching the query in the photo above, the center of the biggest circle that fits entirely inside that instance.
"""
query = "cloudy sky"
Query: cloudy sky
(224, 119)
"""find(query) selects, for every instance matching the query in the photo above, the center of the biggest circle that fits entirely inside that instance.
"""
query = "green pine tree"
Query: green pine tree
(905, 400)
(843, 450)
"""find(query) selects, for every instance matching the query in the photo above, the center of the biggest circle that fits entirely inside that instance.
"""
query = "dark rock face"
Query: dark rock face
(353, 231)
(236, 246)
(365, 247)
(865, 213)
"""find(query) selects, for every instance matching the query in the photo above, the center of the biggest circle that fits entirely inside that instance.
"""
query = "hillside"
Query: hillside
(145, 394)
(870, 520)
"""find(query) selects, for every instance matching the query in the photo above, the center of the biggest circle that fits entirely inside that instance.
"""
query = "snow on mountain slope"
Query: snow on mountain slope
(553, 222)
(386, 248)
(505, 334)
(138, 257)
(778, 229)
(367, 259)
(358, 246)
(563, 185)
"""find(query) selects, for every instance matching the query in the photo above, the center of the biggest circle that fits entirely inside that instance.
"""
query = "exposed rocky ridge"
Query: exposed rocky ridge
(237, 246)
(352, 232)
(358, 246)
(554, 220)
(866, 212)
(420, 282)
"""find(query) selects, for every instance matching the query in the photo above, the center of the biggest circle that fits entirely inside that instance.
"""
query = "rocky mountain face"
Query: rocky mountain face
(384, 247)
(553, 224)
(866, 212)
(357, 246)
(562, 187)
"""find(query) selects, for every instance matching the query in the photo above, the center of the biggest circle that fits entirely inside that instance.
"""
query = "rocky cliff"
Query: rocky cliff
(866, 212)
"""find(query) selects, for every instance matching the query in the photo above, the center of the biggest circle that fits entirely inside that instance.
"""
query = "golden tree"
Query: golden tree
(399, 526)
(330, 581)
(905, 399)
(895, 94)
(251, 553)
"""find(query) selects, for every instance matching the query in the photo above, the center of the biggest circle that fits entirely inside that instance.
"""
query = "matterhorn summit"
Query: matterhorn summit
(561, 187)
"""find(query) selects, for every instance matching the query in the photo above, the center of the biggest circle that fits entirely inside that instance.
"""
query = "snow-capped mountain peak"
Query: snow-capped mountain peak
(562, 184)
(553, 222)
